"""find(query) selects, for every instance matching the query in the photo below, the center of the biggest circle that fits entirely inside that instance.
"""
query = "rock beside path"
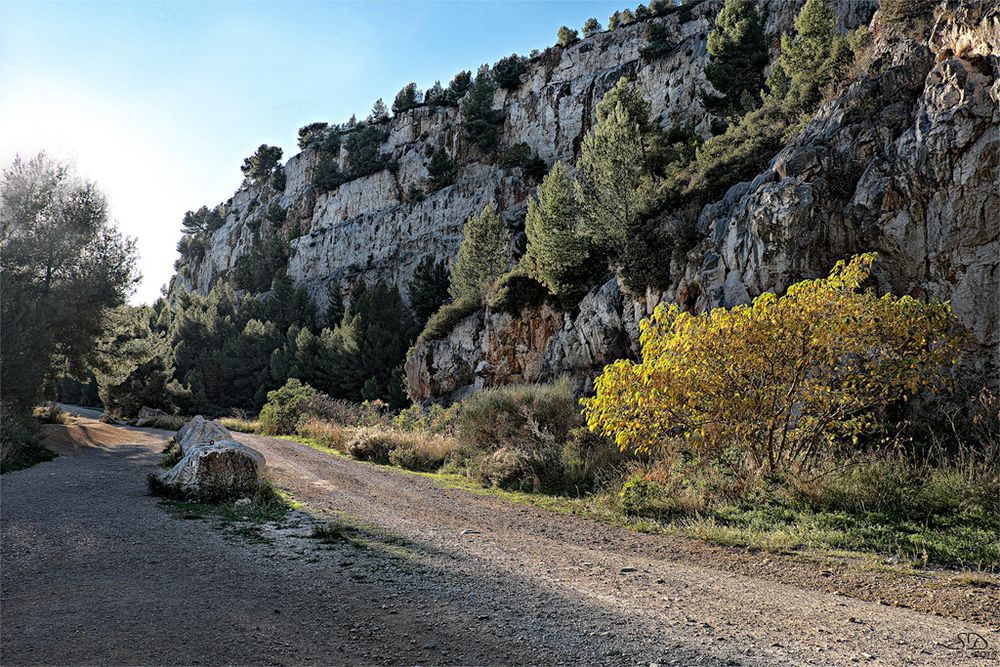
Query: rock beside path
(213, 465)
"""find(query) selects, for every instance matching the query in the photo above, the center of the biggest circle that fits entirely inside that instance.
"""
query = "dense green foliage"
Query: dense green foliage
(557, 254)
(379, 114)
(428, 289)
(311, 133)
(441, 169)
(507, 71)
(591, 27)
(482, 256)
(567, 36)
(811, 59)
(738, 57)
(406, 99)
(480, 122)
(280, 414)
(64, 265)
(364, 150)
(259, 167)
(520, 155)
(659, 41)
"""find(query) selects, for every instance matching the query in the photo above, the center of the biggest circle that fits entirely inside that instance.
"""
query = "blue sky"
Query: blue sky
(159, 102)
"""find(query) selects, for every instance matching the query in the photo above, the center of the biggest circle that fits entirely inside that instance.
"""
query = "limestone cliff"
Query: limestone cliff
(906, 161)
(374, 227)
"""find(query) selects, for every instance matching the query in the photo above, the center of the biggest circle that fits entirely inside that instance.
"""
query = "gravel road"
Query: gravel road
(94, 571)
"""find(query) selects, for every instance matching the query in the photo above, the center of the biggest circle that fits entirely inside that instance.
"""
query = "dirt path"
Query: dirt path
(94, 571)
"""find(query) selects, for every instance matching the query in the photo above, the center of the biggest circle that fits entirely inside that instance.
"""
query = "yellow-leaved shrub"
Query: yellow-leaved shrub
(782, 378)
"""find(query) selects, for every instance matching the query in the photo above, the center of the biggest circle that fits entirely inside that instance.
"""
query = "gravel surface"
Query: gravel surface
(96, 571)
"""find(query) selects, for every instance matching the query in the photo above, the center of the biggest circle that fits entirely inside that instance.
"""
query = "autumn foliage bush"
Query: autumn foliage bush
(782, 379)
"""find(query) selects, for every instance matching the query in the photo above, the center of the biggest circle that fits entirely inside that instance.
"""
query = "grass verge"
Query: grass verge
(771, 524)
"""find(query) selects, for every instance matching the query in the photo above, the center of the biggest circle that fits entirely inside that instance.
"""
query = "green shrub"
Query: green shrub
(364, 151)
(480, 122)
(530, 417)
(505, 468)
(311, 133)
(436, 419)
(281, 414)
(590, 461)
(516, 291)
(167, 422)
(531, 423)
(521, 156)
(659, 42)
(50, 413)
(591, 27)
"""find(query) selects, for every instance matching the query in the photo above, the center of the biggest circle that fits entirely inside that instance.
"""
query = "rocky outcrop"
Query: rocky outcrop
(213, 465)
(905, 162)
(538, 344)
(378, 227)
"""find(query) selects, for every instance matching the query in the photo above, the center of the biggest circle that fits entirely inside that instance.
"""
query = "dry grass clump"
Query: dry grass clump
(424, 452)
(327, 434)
(166, 422)
(50, 413)
(410, 450)
(241, 424)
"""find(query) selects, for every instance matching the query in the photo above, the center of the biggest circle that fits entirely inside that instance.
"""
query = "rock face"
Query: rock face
(213, 465)
(378, 228)
(905, 162)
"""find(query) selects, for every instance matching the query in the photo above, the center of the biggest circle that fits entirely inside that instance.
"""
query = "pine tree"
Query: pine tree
(428, 288)
(507, 72)
(614, 172)
(591, 27)
(567, 36)
(483, 255)
(380, 113)
(436, 95)
(334, 306)
(479, 120)
(258, 167)
(816, 56)
(459, 86)
(739, 55)
(406, 99)
(615, 21)
(557, 256)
